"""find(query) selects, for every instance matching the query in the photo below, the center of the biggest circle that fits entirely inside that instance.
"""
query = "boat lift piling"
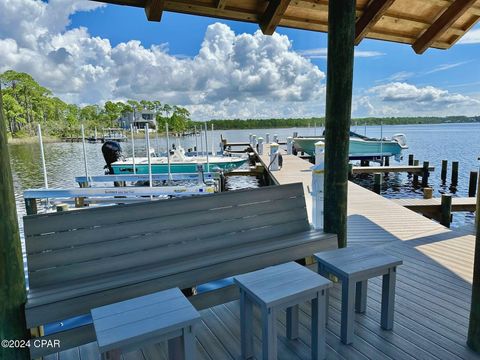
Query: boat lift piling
(168, 154)
(133, 150)
(206, 146)
(196, 140)
(150, 179)
(42, 155)
(85, 163)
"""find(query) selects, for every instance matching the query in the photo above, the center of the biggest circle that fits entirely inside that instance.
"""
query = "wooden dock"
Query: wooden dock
(390, 169)
(432, 298)
(433, 205)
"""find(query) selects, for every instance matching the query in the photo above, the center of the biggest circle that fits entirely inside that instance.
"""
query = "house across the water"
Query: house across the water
(138, 119)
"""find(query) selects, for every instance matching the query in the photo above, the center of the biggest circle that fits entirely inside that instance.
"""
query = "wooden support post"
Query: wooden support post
(472, 184)
(350, 171)
(387, 161)
(473, 339)
(12, 277)
(425, 173)
(410, 159)
(443, 174)
(454, 173)
(446, 209)
(415, 175)
(377, 182)
(341, 35)
(427, 193)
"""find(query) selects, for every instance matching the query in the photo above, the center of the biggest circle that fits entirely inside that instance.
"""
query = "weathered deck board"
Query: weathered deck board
(432, 302)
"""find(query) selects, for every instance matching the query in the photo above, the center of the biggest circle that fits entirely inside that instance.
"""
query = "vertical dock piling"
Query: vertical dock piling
(425, 173)
(410, 159)
(446, 210)
(377, 182)
(12, 277)
(472, 183)
(454, 173)
(415, 175)
(341, 34)
(443, 174)
(473, 339)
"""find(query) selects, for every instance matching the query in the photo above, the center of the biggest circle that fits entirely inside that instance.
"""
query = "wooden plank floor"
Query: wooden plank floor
(432, 293)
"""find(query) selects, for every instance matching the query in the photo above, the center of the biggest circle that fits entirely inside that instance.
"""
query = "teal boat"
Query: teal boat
(359, 146)
(179, 163)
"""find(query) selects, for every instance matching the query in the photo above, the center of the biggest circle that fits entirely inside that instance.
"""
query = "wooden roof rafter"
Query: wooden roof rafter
(375, 10)
(154, 9)
(404, 21)
(442, 24)
(273, 15)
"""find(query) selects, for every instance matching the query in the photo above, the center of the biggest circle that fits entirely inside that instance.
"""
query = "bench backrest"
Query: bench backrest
(67, 247)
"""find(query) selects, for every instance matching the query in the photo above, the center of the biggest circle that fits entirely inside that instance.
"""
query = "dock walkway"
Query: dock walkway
(432, 298)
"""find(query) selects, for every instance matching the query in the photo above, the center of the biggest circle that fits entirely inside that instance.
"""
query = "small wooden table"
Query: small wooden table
(281, 287)
(126, 326)
(353, 267)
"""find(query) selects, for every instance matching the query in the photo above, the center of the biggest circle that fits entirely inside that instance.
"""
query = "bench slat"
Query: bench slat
(199, 234)
(68, 239)
(281, 224)
(188, 272)
(64, 221)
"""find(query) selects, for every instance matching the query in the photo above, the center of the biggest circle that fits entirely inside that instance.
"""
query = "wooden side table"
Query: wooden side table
(128, 325)
(281, 287)
(353, 267)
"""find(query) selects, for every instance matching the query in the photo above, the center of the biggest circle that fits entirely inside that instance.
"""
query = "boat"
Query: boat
(360, 146)
(179, 163)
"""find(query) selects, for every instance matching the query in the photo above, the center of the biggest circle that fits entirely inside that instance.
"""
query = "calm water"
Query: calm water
(460, 142)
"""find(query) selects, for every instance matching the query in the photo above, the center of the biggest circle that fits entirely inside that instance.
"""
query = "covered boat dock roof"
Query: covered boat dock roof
(423, 24)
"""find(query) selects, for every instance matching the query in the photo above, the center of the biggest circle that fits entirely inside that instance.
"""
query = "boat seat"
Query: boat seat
(80, 260)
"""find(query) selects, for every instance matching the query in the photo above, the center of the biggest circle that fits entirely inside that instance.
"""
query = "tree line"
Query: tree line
(26, 104)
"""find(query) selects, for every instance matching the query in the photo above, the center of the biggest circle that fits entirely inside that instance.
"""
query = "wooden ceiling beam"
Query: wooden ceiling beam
(442, 24)
(273, 15)
(154, 9)
(221, 4)
(375, 10)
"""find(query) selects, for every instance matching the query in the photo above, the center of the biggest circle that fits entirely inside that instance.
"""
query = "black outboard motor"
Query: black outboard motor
(111, 152)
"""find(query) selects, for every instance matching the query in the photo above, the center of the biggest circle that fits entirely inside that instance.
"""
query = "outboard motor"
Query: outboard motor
(112, 152)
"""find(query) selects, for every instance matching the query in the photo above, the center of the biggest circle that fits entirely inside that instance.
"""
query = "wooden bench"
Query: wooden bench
(80, 260)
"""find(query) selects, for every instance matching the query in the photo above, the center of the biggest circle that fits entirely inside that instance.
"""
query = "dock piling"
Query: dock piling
(411, 159)
(425, 174)
(446, 210)
(275, 138)
(387, 161)
(472, 184)
(319, 152)
(443, 174)
(415, 176)
(427, 193)
(454, 173)
(378, 179)
(267, 138)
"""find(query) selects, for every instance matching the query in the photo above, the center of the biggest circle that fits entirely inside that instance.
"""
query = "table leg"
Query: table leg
(246, 325)
(112, 355)
(388, 299)
(324, 273)
(318, 326)
(292, 322)
(361, 296)
(176, 348)
(348, 302)
(269, 333)
(189, 343)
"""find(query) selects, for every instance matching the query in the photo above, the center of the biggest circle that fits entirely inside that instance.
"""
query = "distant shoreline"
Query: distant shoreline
(280, 125)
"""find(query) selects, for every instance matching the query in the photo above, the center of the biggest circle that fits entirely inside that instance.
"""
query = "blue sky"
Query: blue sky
(112, 52)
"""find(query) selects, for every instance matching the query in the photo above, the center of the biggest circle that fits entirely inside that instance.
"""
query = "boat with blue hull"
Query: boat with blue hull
(359, 146)
(179, 163)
